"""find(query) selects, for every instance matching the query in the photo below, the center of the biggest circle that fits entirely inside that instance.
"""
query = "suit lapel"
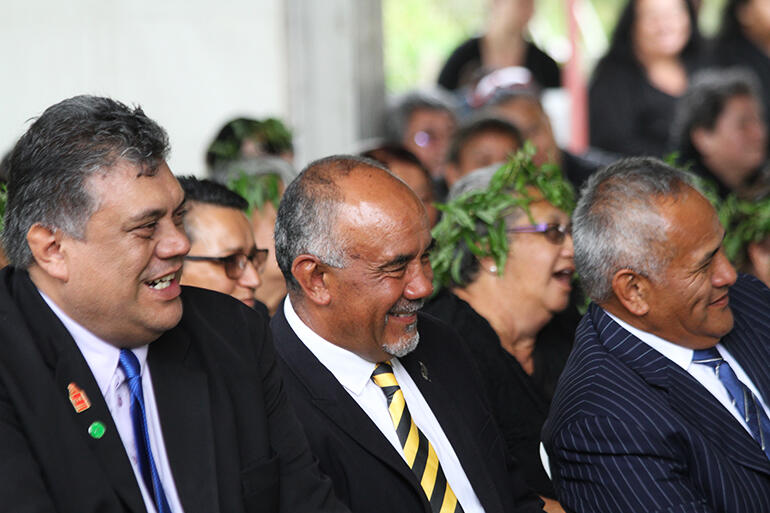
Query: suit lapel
(181, 393)
(445, 410)
(695, 405)
(330, 397)
(61, 354)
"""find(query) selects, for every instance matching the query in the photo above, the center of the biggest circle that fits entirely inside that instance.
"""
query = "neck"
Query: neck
(502, 50)
(666, 73)
(515, 324)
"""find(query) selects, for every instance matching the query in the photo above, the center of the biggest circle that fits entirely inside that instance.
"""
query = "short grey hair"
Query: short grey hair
(402, 107)
(52, 162)
(617, 223)
(307, 214)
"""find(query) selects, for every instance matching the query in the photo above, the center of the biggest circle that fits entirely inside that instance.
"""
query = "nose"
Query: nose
(250, 278)
(568, 247)
(724, 272)
(421, 283)
(173, 242)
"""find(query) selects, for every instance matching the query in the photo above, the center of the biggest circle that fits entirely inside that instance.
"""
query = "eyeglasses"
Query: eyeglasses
(554, 233)
(235, 264)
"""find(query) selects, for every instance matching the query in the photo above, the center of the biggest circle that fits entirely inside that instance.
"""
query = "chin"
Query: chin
(403, 346)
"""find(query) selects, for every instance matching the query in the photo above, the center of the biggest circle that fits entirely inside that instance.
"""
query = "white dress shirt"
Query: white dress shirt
(103, 358)
(704, 374)
(354, 374)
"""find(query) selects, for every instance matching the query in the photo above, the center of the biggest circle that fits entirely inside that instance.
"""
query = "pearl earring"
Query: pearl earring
(492, 268)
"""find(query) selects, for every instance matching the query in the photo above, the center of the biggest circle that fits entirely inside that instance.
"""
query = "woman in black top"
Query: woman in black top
(502, 45)
(633, 92)
(516, 320)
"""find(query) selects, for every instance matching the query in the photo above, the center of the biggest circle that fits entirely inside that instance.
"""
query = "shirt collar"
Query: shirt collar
(352, 371)
(680, 355)
(101, 356)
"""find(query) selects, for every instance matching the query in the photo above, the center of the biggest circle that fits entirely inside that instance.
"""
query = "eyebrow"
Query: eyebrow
(400, 260)
(154, 213)
(706, 259)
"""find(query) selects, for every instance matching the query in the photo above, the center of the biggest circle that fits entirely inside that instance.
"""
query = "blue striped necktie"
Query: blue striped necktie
(130, 366)
(742, 397)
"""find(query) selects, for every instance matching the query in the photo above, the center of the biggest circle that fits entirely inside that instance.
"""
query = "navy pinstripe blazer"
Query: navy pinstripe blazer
(630, 431)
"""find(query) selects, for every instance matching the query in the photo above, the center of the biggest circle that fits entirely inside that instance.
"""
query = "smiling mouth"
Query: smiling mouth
(161, 283)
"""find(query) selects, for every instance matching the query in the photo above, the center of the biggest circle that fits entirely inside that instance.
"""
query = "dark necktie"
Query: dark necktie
(130, 366)
(743, 399)
(419, 453)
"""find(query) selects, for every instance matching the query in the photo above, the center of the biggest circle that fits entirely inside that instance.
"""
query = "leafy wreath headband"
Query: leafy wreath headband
(508, 190)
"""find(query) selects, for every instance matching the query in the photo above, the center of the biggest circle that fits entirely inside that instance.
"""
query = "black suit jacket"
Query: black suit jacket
(367, 472)
(232, 441)
(630, 430)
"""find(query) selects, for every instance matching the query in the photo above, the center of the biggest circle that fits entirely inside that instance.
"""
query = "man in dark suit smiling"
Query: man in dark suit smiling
(387, 397)
(121, 391)
(663, 404)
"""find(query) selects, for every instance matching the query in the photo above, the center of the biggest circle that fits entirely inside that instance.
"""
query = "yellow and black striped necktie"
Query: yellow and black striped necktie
(419, 452)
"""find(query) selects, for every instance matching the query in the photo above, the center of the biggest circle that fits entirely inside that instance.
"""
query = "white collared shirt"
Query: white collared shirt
(102, 358)
(354, 374)
(705, 375)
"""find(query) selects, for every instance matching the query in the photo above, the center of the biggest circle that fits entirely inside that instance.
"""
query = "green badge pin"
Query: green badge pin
(96, 430)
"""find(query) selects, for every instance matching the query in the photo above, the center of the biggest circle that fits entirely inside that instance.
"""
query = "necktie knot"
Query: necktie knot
(710, 357)
(130, 364)
(384, 378)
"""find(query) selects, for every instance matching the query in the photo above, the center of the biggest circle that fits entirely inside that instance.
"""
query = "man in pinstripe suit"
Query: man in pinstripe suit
(639, 423)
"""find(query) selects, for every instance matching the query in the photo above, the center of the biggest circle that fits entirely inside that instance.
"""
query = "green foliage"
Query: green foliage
(271, 133)
(257, 189)
(745, 222)
(477, 218)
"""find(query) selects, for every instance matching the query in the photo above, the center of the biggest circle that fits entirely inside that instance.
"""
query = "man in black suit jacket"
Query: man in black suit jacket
(352, 241)
(94, 234)
(641, 421)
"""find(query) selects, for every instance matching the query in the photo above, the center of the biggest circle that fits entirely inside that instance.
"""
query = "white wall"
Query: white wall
(191, 64)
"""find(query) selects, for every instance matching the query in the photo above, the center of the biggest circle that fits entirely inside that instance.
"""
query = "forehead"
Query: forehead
(123, 188)
(219, 228)
(381, 216)
(692, 227)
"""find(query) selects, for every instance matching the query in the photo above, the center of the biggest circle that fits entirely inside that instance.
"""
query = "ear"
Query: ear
(488, 265)
(311, 275)
(48, 252)
(632, 290)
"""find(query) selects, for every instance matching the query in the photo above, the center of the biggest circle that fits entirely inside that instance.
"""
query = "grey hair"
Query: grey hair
(305, 223)
(617, 223)
(228, 171)
(402, 107)
(477, 180)
(51, 163)
(705, 100)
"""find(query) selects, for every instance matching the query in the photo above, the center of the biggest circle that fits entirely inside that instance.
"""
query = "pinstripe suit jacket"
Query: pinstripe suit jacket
(630, 431)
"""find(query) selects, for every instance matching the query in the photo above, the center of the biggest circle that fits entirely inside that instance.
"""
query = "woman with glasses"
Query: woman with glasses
(506, 287)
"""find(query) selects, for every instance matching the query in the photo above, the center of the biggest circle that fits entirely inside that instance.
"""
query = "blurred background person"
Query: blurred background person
(634, 88)
(747, 235)
(503, 44)
(744, 40)
(515, 316)
(478, 143)
(223, 256)
(404, 164)
(720, 132)
(248, 138)
(423, 121)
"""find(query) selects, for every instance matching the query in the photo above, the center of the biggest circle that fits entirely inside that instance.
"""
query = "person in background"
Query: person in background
(479, 143)
(633, 92)
(511, 305)
(720, 130)
(744, 40)
(392, 409)
(223, 256)
(423, 121)
(662, 405)
(248, 138)
(405, 165)
(503, 45)
(522, 107)
(262, 182)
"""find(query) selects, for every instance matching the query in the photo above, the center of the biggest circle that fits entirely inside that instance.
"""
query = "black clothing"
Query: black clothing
(519, 402)
(464, 63)
(626, 113)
